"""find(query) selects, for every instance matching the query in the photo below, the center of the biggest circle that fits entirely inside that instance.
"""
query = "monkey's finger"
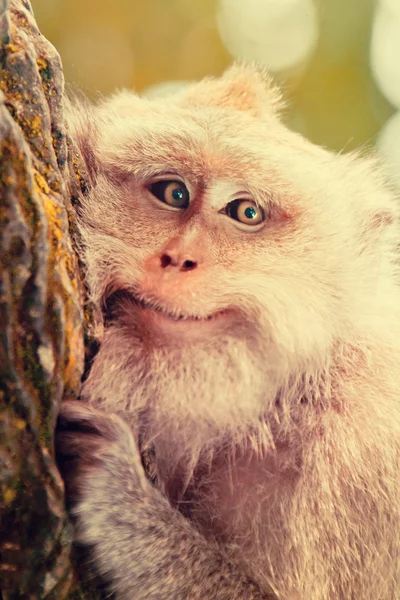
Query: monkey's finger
(72, 411)
(74, 484)
(75, 444)
(78, 416)
(77, 453)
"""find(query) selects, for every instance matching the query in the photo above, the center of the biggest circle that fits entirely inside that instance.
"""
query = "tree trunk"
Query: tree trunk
(42, 320)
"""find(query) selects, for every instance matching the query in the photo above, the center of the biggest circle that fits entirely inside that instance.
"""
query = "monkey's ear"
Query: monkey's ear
(243, 87)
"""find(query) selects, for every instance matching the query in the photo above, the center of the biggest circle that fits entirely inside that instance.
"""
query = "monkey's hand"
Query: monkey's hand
(143, 546)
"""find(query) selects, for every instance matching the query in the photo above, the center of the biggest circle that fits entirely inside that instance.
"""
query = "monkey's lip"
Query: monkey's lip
(121, 299)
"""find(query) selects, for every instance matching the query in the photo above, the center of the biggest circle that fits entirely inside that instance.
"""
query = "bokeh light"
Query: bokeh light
(385, 50)
(279, 34)
(388, 144)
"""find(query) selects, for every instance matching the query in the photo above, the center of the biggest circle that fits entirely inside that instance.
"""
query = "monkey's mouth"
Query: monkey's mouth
(121, 301)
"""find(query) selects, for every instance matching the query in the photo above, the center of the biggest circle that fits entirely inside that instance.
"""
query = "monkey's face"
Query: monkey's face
(207, 221)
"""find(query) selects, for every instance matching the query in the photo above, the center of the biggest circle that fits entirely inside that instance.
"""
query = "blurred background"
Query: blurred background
(337, 60)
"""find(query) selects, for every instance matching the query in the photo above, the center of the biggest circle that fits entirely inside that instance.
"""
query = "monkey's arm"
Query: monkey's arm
(146, 548)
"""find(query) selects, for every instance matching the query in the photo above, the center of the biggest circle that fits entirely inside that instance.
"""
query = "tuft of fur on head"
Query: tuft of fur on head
(242, 87)
(317, 289)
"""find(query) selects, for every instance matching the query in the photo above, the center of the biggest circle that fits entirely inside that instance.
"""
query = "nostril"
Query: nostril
(165, 260)
(188, 265)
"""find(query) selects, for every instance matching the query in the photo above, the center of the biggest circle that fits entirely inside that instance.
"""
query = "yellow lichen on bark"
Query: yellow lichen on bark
(41, 309)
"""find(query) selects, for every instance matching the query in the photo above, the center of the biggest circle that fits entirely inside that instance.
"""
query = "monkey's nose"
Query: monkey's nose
(170, 261)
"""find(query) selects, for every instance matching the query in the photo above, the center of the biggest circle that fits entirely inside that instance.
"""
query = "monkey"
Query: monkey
(238, 434)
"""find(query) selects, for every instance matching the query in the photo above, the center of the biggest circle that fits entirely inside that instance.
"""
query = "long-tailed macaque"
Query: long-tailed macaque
(240, 435)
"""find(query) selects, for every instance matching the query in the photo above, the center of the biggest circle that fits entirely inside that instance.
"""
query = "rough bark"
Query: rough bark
(42, 321)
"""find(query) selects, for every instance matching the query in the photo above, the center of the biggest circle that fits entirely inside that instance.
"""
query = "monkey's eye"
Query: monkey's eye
(246, 212)
(173, 193)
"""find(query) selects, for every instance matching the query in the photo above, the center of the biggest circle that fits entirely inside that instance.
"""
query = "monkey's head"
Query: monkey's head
(211, 230)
